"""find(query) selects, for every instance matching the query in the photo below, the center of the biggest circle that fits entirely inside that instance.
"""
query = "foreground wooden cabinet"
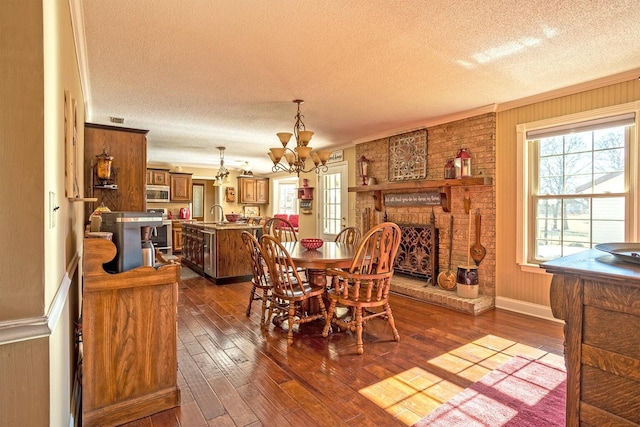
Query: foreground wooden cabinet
(129, 169)
(598, 297)
(129, 367)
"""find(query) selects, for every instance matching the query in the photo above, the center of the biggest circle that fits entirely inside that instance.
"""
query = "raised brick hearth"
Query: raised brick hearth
(415, 288)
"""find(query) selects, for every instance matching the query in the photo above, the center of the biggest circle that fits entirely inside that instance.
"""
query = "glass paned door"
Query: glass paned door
(332, 201)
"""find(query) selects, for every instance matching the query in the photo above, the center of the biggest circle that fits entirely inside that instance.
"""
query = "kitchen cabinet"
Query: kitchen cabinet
(129, 336)
(157, 177)
(253, 190)
(177, 236)
(217, 252)
(181, 187)
(128, 169)
(597, 297)
(192, 250)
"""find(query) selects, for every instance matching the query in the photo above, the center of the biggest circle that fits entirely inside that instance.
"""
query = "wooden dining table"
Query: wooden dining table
(316, 261)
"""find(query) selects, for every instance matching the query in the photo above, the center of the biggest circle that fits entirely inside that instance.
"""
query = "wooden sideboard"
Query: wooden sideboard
(129, 366)
(598, 297)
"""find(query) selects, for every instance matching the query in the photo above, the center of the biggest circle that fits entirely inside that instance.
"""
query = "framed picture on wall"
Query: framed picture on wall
(251, 211)
(70, 152)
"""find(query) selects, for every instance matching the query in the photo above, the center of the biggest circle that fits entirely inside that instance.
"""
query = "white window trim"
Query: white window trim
(275, 190)
(523, 163)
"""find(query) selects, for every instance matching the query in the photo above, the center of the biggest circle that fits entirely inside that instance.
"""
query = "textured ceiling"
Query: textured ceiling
(205, 73)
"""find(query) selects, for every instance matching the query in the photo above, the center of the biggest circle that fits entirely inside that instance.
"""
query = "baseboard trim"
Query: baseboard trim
(17, 330)
(523, 307)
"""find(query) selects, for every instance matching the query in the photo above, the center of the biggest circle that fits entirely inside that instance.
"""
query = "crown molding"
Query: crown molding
(491, 108)
(633, 74)
(571, 90)
(80, 38)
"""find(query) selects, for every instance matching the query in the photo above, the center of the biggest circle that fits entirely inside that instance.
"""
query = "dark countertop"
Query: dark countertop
(221, 226)
(596, 264)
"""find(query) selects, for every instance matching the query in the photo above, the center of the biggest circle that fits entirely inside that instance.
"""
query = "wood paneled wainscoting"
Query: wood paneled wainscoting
(231, 373)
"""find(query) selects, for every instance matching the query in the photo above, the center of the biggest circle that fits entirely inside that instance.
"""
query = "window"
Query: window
(287, 197)
(578, 188)
(332, 203)
(198, 202)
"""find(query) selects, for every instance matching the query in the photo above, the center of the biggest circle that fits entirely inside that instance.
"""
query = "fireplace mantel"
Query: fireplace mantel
(443, 186)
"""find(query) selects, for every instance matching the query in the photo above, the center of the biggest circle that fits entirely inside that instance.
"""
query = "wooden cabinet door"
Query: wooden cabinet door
(180, 187)
(247, 190)
(129, 150)
(157, 177)
(177, 240)
(262, 190)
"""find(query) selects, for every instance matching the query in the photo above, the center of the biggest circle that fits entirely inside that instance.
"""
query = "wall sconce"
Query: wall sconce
(363, 166)
(104, 172)
(463, 164)
(103, 166)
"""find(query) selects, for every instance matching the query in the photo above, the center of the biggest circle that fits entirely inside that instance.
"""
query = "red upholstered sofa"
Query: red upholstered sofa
(292, 218)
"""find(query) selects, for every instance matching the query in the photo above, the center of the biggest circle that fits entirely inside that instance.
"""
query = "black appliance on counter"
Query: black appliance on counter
(127, 236)
(162, 237)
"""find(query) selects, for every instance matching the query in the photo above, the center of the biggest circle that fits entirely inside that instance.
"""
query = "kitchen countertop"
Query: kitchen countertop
(221, 226)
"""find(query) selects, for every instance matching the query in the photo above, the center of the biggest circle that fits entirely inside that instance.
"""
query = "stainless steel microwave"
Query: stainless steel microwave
(158, 194)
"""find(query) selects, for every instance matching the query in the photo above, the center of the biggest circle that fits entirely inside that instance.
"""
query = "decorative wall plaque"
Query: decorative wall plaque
(408, 156)
(431, 198)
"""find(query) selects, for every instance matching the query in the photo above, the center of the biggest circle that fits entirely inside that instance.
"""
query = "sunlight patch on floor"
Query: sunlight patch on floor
(413, 394)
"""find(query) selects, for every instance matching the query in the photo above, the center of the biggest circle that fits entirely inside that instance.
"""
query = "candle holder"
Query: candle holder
(363, 166)
(463, 164)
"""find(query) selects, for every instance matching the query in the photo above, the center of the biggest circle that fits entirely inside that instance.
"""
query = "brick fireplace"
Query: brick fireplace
(477, 134)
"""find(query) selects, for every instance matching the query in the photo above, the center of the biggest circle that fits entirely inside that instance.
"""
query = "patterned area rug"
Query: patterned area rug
(520, 393)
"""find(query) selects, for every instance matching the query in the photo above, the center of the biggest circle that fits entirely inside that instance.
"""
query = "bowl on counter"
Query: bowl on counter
(311, 243)
(232, 217)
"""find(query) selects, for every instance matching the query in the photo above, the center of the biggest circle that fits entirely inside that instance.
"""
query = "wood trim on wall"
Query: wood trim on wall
(16, 330)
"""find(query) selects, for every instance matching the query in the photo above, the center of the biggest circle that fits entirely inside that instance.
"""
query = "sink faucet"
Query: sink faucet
(211, 211)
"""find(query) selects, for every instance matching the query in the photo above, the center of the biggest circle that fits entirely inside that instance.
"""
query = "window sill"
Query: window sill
(532, 268)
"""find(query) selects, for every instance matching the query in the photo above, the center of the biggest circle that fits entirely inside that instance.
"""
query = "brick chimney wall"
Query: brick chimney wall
(477, 134)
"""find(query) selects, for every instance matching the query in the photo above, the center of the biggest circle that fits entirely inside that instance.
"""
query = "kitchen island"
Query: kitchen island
(598, 297)
(215, 250)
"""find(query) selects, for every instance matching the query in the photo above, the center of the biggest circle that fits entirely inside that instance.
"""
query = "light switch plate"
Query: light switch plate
(52, 209)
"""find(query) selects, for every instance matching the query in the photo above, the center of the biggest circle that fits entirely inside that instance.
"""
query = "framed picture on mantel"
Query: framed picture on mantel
(408, 156)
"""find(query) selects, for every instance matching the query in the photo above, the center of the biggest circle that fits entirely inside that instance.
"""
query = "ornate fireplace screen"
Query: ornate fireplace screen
(418, 251)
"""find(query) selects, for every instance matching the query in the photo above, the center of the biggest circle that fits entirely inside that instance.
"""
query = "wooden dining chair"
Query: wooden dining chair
(261, 286)
(292, 293)
(351, 235)
(281, 229)
(364, 287)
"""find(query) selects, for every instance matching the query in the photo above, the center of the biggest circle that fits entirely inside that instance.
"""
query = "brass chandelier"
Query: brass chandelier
(223, 174)
(296, 158)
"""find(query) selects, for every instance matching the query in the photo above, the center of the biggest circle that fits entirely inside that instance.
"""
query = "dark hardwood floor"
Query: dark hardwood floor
(233, 374)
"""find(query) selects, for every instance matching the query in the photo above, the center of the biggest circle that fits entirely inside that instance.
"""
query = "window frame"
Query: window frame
(526, 168)
(277, 183)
